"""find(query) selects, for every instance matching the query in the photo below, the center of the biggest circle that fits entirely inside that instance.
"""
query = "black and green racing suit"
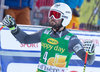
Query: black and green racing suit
(57, 48)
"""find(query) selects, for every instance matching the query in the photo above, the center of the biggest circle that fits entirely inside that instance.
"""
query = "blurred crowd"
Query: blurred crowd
(35, 12)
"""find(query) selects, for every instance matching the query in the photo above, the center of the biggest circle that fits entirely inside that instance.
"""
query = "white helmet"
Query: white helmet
(65, 10)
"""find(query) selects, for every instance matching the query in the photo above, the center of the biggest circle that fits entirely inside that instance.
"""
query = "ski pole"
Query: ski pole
(1, 28)
(85, 61)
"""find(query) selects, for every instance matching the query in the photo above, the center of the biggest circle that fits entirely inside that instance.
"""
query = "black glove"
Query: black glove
(89, 47)
(9, 22)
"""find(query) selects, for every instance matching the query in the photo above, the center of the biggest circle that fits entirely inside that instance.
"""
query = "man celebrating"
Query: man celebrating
(57, 44)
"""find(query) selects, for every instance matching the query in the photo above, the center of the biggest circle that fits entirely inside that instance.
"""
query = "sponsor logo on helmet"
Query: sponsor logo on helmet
(65, 17)
(68, 12)
(52, 41)
(57, 5)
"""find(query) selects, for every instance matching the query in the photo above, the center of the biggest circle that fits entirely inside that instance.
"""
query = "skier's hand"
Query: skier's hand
(9, 22)
(89, 47)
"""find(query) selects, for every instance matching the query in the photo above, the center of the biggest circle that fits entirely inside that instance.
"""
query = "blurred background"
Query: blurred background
(89, 13)
(88, 9)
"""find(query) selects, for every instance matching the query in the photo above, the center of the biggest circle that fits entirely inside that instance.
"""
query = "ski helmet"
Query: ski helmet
(64, 10)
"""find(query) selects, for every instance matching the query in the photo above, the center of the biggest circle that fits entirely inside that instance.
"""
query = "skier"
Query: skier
(57, 44)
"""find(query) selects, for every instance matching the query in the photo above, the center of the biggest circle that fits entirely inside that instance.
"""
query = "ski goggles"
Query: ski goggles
(56, 15)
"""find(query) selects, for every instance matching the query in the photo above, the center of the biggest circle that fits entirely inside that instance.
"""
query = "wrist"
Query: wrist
(12, 28)
(90, 53)
(15, 31)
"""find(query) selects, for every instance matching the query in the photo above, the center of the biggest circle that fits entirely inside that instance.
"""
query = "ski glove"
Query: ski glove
(9, 22)
(89, 47)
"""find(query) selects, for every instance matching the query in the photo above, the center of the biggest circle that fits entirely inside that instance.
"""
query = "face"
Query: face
(55, 23)
(55, 19)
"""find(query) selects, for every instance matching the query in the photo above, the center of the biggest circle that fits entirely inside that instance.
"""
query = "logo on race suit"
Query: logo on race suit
(49, 68)
(52, 41)
(67, 37)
